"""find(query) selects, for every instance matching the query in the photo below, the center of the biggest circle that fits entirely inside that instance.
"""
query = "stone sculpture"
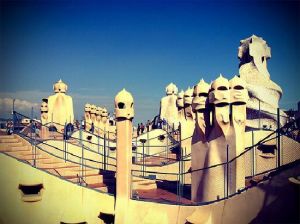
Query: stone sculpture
(253, 54)
(104, 122)
(188, 99)
(199, 139)
(220, 141)
(87, 116)
(238, 99)
(213, 180)
(168, 109)
(187, 123)
(44, 118)
(44, 111)
(180, 106)
(60, 106)
(93, 114)
(98, 120)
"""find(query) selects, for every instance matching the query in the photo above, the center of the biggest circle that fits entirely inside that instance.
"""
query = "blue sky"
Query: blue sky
(98, 48)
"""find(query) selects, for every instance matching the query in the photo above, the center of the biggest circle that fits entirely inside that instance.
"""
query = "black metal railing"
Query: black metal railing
(254, 156)
(255, 165)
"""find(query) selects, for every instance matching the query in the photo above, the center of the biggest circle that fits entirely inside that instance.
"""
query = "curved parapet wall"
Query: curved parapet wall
(253, 54)
(84, 205)
(58, 201)
(252, 205)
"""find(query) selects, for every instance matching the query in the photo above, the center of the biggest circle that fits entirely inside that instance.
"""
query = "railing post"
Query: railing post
(108, 140)
(104, 151)
(82, 162)
(64, 143)
(278, 138)
(136, 150)
(34, 146)
(179, 129)
(66, 150)
(167, 149)
(178, 183)
(180, 173)
(31, 123)
(173, 129)
(253, 156)
(180, 178)
(80, 132)
(98, 143)
(143, 159)
(259, 114)
(148, 153)
(13, 117)
(227, 171)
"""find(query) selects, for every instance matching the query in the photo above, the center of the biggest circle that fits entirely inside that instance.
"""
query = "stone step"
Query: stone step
(170, 155)
(9, 140)
(41, 165)
(43, 160)
(76, 179)
(6, 136)
(76, 176)
(151, 163)
(71, 172)
(51, 161)
(16, 144)
(102, 189)
(60, 165)
(4, 146)
(23, 153)
(97, 185)
(21, 148)
(11, 144)
(143, 184)
(91, 179)
(37, 162)
(154, 159)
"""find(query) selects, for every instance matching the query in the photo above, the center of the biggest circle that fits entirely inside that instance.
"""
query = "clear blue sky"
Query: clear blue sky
(98, 48)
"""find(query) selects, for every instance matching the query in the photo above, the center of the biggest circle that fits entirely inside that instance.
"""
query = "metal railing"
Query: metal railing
(258, 163)
(254, 159)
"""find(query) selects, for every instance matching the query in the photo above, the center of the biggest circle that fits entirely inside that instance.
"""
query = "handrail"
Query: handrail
(168, 133)
(68, 153)
(58, 132)
(84, 146)
(98, 128)
(280, 132)
(224, 163)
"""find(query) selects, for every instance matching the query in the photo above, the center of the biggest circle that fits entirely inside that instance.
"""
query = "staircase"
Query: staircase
(101, 180)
